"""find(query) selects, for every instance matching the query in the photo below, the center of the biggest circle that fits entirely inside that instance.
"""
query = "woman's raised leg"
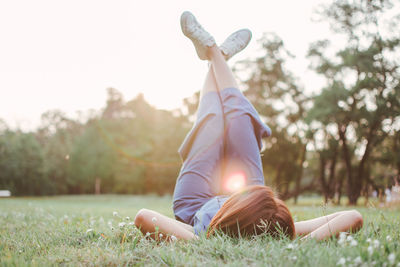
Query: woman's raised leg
(223, 74)
(203, 148)
(201, 152)
(243, 129)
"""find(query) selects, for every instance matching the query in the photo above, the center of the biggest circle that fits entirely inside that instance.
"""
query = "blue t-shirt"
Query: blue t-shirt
(204, 215)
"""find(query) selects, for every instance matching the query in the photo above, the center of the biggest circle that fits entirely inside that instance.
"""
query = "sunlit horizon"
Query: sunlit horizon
(64, 55)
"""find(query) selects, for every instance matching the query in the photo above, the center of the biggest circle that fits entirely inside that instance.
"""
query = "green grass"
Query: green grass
(53, 231)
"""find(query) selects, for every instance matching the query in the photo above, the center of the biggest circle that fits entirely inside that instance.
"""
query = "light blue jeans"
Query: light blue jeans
(225, 139)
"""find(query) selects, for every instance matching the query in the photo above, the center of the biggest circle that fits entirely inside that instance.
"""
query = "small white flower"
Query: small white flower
(147, 234)
(127, 218)
(353, 243)
(154, 219)
(115, 213)
(131, 223)
(376, 243)
(294, 258)
(398, 264)
(89, 230)
(370, 250)
(290, 246)
(342, 235)
(358, 260)
(349, 238)
(388, 238)
(160, 235)
(342, 261)
(173, 238)
(391, 258)
(369, 240)
(121, 224)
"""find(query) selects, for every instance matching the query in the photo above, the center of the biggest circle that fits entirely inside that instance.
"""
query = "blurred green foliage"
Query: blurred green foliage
(341, 140)
(129, 147)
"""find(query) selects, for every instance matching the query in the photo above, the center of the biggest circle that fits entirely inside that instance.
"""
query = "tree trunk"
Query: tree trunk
(339, 190)
(97, 186)
(367, 188)
(332, 171)
(395, 149)
(322, 177)
(358, 182)
(351, 193)
(286, 190)
(278, 177)
(300, 174)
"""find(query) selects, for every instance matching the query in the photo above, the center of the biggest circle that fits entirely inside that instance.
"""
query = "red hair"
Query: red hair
(253, 211)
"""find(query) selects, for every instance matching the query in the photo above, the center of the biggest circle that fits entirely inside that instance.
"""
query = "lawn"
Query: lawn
(98, 231)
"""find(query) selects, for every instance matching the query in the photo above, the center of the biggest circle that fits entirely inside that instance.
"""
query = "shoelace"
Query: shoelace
(198, 33)
(237, 45)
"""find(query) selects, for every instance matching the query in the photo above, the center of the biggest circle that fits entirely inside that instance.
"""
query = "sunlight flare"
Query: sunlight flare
(235, 182)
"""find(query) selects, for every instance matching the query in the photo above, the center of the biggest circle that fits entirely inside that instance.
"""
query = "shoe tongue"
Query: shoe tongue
(234, 45)
(202, 36)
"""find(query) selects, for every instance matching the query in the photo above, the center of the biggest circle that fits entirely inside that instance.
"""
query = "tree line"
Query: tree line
(342, 140)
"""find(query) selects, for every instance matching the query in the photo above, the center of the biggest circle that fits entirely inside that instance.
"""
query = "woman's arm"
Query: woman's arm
(326, 226)
(306, 227)
(147, 221)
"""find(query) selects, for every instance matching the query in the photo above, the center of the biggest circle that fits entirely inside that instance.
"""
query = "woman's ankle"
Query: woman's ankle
(213, 51)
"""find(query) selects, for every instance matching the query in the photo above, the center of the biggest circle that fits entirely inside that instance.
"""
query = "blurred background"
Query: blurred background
(96, 96)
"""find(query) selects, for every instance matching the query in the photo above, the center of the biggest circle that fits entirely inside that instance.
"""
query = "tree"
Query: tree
(21, 164)
(57, 135)
(91, 158)
(363, 89)
(274, 92)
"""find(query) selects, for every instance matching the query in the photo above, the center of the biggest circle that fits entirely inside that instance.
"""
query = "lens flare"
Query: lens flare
(235, 182)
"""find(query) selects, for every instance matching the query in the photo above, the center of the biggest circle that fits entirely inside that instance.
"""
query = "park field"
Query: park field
(98, 231)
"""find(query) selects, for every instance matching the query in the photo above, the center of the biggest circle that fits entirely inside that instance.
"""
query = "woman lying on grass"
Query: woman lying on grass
(221, 154)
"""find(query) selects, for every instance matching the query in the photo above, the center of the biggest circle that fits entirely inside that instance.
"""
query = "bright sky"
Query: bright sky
(64, 54)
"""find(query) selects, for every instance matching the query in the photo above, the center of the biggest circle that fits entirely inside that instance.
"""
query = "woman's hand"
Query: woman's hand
(149, 221)
(323, 227)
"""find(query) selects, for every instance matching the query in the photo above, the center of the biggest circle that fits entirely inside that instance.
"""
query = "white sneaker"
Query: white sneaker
(235, 43)
(200, 37)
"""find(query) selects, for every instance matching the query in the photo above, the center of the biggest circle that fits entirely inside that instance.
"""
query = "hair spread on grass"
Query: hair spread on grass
(253, 211)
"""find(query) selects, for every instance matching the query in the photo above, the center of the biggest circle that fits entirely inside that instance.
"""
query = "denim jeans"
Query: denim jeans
(225, 140)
